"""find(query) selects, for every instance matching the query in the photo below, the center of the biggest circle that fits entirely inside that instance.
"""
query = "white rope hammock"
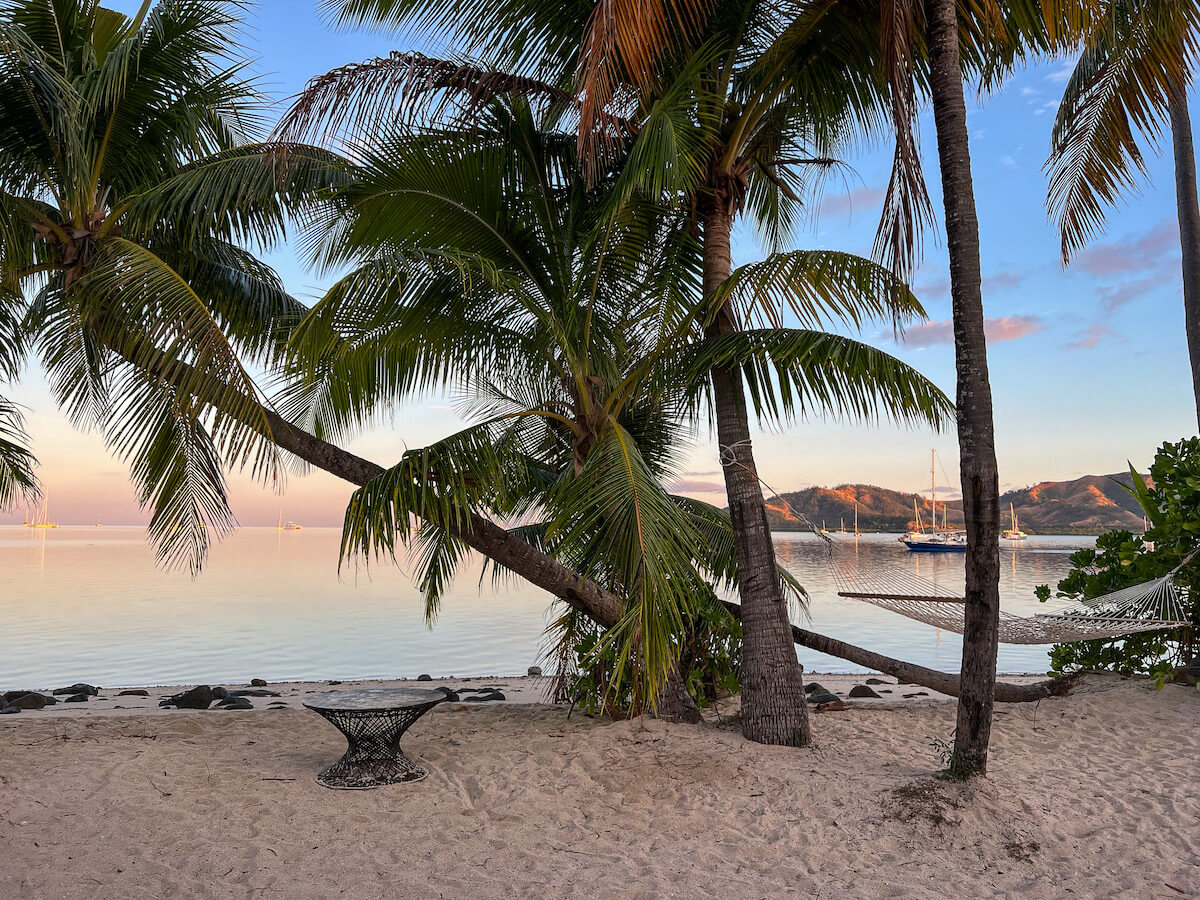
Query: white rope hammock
(1150, 606)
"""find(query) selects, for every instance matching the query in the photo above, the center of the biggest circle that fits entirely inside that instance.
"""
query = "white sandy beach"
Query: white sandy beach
(1091, 795)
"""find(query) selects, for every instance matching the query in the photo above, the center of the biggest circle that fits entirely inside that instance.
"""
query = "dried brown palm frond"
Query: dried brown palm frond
(622, 45)
(418, 87)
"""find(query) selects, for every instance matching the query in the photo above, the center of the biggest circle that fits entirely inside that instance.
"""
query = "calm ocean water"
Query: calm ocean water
(88, 604)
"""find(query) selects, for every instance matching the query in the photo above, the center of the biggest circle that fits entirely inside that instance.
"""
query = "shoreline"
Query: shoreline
(522, 690)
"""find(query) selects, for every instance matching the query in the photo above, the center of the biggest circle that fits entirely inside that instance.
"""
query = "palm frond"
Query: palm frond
(793, 372)
(18, 480)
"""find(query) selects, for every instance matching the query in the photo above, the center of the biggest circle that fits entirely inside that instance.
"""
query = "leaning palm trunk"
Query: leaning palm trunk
(479, 533)
(773, 700)
(1189, 227)
(977, 450)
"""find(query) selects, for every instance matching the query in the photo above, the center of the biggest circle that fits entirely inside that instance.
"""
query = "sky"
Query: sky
(1088, 364)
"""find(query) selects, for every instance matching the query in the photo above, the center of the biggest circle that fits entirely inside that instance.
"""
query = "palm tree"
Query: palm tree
(484, 261)
(736, 121)
(1133, 74)
(130, 183)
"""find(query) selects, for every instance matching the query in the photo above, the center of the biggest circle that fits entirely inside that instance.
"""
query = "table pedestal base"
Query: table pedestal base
(373, 756)
(358, 770)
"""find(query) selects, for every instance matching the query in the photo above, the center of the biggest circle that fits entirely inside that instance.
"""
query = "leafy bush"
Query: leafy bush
(710, 656)
(1171, 502)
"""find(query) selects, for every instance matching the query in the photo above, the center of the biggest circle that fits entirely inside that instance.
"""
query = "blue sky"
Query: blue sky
(1088, 365)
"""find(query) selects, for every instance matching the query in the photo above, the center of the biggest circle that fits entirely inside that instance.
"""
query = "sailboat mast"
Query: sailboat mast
(933, 487)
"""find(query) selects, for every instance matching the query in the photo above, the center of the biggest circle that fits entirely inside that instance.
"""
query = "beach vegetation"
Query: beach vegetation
(1170, 499)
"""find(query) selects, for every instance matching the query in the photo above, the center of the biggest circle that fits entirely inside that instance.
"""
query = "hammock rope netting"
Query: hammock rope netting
(1150, 606)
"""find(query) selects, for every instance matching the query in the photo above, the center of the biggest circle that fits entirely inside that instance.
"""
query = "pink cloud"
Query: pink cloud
(1091, 336)
(1004, 328)
(695, 486)
(1157, 246)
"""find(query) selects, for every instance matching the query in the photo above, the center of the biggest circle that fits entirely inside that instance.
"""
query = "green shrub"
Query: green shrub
(1171, 502)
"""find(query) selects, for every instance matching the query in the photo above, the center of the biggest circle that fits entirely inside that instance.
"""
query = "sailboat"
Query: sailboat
(935, 541)
(42, 520)
(1014, 533)
(856, 531)
(290, 526)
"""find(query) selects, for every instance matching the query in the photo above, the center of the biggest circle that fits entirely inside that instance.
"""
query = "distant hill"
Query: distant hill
(1087, 505)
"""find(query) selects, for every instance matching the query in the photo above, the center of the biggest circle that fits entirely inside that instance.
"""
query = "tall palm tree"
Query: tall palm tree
(130, 184)
(1132, 78)
(735, 121)
(484, 261)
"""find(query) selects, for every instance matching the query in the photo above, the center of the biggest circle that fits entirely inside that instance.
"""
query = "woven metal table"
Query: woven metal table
(373, 722)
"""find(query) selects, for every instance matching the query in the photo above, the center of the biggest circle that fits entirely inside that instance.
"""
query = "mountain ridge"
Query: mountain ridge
(1086, 505)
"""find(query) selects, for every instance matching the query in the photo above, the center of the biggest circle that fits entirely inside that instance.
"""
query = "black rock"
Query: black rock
(424, 678)
(78, 698)
(884, 691)
(136, 693)
(484, 696)
(9, 696)
(815, 687)
(333, 681)
(861, 690)
(78, 688)
(220, 693)
(534, 671)
(877, 681)
(277, 704)
(257, 682)
(30, 701)
(451, 696)
(823, 697)
(246, 692)
(235, 703)
(200, 697)
(917, 694)
(10, 710)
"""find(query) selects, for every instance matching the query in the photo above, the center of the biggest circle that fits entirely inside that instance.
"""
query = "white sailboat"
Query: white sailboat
(1014, 533)
(935, 541)
(290, 526)
(42, 520)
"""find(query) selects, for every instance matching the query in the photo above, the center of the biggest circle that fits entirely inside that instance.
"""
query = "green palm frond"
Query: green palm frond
(176, 467)
(717, 555)
(795, 372)
(818, 287)
(18, 480)
(1117, 94)
(615, 516)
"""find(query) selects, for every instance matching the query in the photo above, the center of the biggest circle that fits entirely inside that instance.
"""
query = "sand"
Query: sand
(1091, 795)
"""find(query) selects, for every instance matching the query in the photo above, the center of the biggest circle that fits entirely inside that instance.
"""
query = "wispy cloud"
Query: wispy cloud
(850, 202)
(695, 486)
(1091, 336)
(1134, 255)
(1133, 267)
(998, 330)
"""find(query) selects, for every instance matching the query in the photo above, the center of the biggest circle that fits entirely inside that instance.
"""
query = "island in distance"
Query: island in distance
(1087, 505)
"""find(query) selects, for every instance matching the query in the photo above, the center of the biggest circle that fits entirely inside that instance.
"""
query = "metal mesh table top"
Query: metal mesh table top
(368, 699)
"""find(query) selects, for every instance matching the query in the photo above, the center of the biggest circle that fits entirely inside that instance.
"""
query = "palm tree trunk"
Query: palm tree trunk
(774, 707)
(976, 437)
(1189, 227)
(944, 682)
